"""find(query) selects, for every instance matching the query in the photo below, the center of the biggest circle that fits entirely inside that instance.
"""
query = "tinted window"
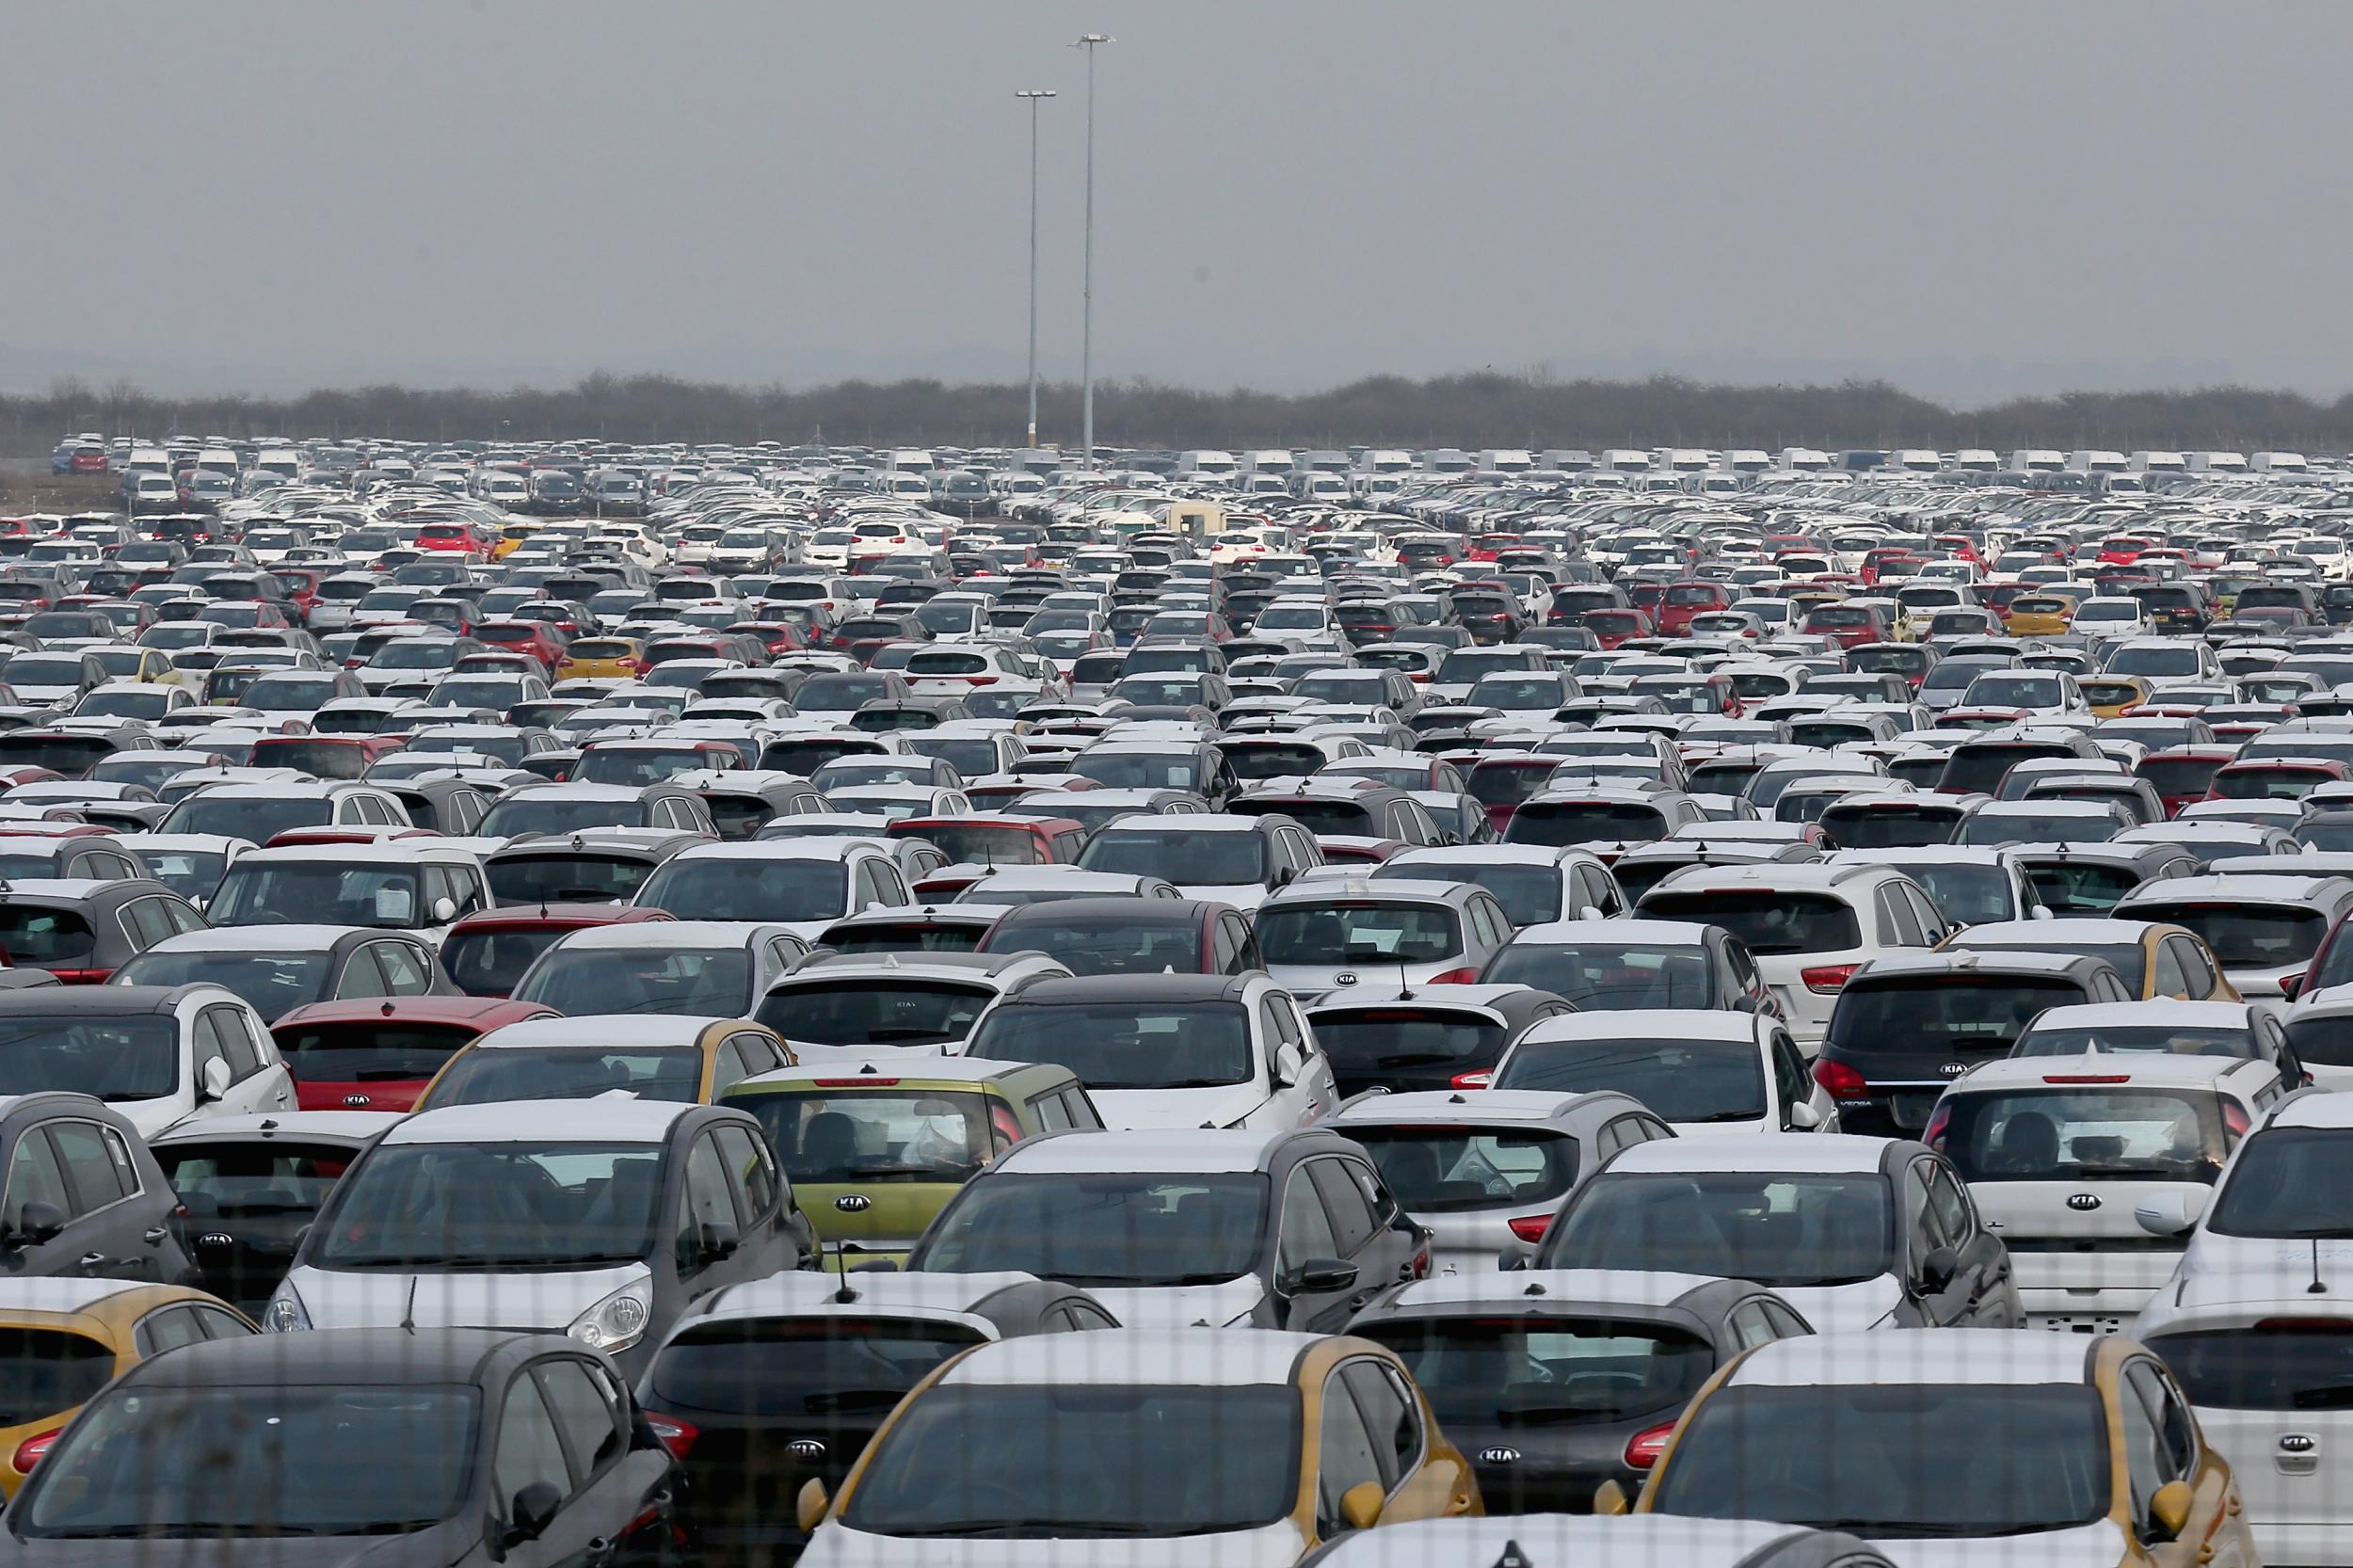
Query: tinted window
(1437, 1170)
(1499, 1369)
(1773, 1229)
(1684, 1080)
(1769, 922)
(1115, 1046)
(1942, 1013)
(823, 1136)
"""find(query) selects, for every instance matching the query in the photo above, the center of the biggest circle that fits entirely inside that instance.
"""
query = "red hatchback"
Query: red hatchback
(976, 844)
(535, 638)
(1683, 600)
(2183, 774)
(379, 1054)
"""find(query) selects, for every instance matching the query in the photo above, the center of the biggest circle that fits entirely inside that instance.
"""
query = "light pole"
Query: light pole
(1087, 331)
(1033, 94)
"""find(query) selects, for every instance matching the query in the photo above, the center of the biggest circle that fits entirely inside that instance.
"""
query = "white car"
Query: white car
(2279, 1204)
(1168, 1050)
(160, 1055)
(801, 884)
(2058, 1152)
(1704, 1072)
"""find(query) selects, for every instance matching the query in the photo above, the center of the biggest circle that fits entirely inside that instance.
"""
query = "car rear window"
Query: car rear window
(45, 1372)
(2278, 1363)
(561, 878)
(2250, 935)
(2083, 1133)
(1683, 1081)
(44, 936)
(251, 1177)
(1547, 1371)
(1767, 921)
(1439, 1170)
(1586, 823)
(799, 1368)
(1377, 1039)
(824, 1136)
(1942, 1013)
(369, 1051)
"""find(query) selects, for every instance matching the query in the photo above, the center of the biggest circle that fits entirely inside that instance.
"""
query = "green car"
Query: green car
(876, 1148)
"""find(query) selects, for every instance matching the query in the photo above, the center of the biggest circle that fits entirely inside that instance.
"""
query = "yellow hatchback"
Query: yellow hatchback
(2110, 695)
(2041, 615)
(61, 1341)
(2076, 1451)
(601, 659)
(1143, 1445)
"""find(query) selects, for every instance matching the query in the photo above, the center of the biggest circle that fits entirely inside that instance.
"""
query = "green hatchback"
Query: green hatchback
(875, 1147)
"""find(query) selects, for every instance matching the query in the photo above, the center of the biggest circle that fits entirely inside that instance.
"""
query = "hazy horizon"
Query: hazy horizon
(1972, 204)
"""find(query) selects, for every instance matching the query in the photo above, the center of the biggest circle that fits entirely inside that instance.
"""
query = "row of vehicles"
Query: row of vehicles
(629, 1052)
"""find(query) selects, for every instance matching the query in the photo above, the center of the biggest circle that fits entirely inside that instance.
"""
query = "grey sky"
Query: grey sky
(1976, 199)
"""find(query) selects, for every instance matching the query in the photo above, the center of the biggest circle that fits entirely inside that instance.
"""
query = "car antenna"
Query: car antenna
(1404, 982)
(1513, 1557)
(2316, 1287)
(409, 1311)
(848, 1292)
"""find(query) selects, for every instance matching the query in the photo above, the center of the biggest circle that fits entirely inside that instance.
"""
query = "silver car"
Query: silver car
(1327, 932)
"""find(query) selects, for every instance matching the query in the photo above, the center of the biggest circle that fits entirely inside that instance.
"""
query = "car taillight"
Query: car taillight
(1478, 1080)
(980, 680)
(1531, 1227)
(676, 1435)
(1830, 977)
(81, 977)
(1842, 1082)
(33, 1449)
(2234, 1122)
(856, 1083)
(1643, 1449)
(1455, 977)
(1934, 1134)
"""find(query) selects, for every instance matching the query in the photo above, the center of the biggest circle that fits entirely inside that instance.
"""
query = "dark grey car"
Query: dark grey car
(83, 1197)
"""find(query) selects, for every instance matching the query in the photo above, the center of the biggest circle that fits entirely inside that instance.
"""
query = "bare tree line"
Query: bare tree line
(1470, 412)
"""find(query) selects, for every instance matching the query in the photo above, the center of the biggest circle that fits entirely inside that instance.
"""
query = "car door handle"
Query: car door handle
(600, 1553)
(95, 1260)
(153, 1235)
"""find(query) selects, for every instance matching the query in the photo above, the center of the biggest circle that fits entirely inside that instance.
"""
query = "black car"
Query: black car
(1130, 935)
(82, 932)
(1348, 807)
(249, 1185)
(1437, 1037)
(448, 1447)
(1907, 1026)
(785, 1381)
(84, 1198)
(1551, 1389)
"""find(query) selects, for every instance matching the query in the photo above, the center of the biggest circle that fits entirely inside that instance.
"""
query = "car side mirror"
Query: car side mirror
(2041, 912)
(2170, 1213)
(2291, 986)
(216, 1079)
(38, 1223)
(810, 1505)
(1938, 1269)
(444, 911)
(1609, 1499)
(1360, 1505)
(1320, 1276)
(716, 1241)
(2168, 1510)
(533, 1510)
(1805, 1117)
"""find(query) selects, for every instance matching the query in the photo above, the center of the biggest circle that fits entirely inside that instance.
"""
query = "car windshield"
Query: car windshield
(454, 1207)
(180, 1463)
(672, 1074)
(883, 1010)
(262, 819)
(1359, 931)
(2292, 1183)
(1125, 1046)
(45, 1372)
(1602, 974)
(1683, 1081)
(132, 1057)
(1876, 1459)
(748, 887)
(1099, 1455)
(1108, 1228)
(783, 1368)
(1770, 1227)
(274, 983)
(318, 892)
(252, 1177)
(826, 1136)
(2252, 936)
(1187, 858)
(1944, 1013)
(1547, 1371)
(2084, 1134)
(692, 982)
(1439, 1170)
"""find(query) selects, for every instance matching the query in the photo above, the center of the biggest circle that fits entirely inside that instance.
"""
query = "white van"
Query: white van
(2060, 1151)
(2278, 462)
(285, 461)
(1214, 465)
(1804, 459)
(2036, 459)
(1620, 459)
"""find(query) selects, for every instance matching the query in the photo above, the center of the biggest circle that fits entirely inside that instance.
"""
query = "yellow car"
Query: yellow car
(2082, 1451)
(65, 1338)
(511, 538)
(653, 1057)
(601, 659)
(2155, 959)
(2110, 695)
(1221, 1445)
(2041, 615)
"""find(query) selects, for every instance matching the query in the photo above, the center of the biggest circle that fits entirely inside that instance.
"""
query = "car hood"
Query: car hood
(1276, 1545)
(1832, 1308)
(1181, 1306)
(1158, 1109)
(382, 1299)
(2094, 1546)
(152, 1117)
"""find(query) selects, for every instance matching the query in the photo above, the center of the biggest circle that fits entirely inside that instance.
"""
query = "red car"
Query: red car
(1683, 600)
(2275, 778)
(535, 638)
(460, 538)
(975, 845)
(2183, 774)
(486, 953)
(326, 756)
(379, 1054)
(1847, 625)
(1612, 628)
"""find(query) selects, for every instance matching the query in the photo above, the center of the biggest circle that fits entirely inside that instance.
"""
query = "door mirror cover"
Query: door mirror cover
(1320, 1277)
(1609, 1499)
(39, 1223)
(1360, 1505)
(810, 1505)
(533, 1510)
(2168, 1510)
(1938, 1269)
(1805, 1117)
(215, 1081)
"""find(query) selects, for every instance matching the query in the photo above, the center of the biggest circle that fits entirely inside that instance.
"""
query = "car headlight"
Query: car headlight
(619, 1320)
(285, 1314)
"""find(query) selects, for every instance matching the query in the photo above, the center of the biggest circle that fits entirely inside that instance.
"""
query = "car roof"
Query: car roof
(2317, 1111)
(1216, 1358)
(1614, 930)
(1824, 1152)
(325, 1358)
(1649, 1023)
(2239, 887)
(1453, 1106)
(2162, 1013)
(2051, 933)
(1206, 1150)
(1549, 1288)
(357, 1126)
(1901, 964)
(265, 939)
(613, 1118)
(2124, 1069)
(805, 1291)
(601, 1029)
(1978, 1355)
